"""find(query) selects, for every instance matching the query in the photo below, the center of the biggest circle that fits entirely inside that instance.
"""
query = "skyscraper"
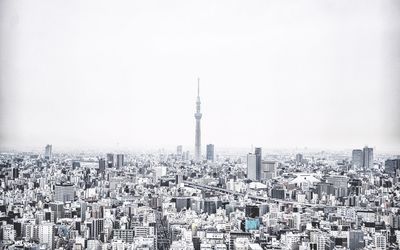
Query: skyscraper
(48, 152)
(197, 115)
(120, 160)
(110, 160)
(102, 165)
(210, 152)
(299, 159)
(368, 158)
(258, 153)
(357, 158)
(179, 149)
(251, 166)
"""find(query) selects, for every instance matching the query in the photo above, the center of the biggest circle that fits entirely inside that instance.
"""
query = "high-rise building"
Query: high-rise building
(258, 153)
(110, 160)
(120, 160)
(368, 158)
(251, 166)
(64, 192)
(179, 149)
(48, 152)
(58, 209)
(102, 165)
(46, 234)
(268, 170)
(210, 152)
(198, 115)
(357, 158)
(95, 227)
(299, 159)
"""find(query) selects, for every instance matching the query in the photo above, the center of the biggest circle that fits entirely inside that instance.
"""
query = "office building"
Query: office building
(299, 159)
(58, 210)
(357, 158)
(251, 166)
(210, 152)
(46, 234)
(64, 192)
(179, 150)
(368, 158)
(120, 160)
(268, 170)
(48, 152)
(110, 160)
(356, 240)
(95, 227)
(258, 153)
(102, 165)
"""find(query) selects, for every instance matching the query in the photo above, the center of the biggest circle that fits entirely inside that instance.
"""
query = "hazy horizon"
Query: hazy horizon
(295, 74)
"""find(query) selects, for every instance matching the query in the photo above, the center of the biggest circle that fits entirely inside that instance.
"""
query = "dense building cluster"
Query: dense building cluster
(320, 200)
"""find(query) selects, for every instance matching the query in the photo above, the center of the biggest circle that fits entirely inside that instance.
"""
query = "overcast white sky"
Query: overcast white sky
(84, 74)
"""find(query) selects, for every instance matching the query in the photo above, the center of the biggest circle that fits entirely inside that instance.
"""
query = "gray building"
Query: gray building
(102, 165)
(48, 152)
(251, 166)
(210, 152)
(368, 158)
(120, 160)
(110, 160)
(258, 153)
(357, 158)
(64, 192)
(356, 240)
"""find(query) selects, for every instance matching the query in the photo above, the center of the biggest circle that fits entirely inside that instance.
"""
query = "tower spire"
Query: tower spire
(198, 86)
(198, 115)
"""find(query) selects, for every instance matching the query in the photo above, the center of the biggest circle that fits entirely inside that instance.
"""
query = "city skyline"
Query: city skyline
(323, 77)
(108, 141)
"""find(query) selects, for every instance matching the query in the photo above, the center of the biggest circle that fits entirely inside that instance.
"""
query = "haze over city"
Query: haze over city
(93, 74)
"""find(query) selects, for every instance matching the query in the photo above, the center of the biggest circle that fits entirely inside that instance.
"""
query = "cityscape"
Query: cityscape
(202, 201)
(200, 125)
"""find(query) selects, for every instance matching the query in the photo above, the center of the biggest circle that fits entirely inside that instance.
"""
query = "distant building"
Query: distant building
(251, 166)
(120, 160)
(179, 149)
(357, 158)
(102, 165)
(210, 152)
(64, 192)
(187, 156)
(392, 167)
(258, 153)
(48, 152)
(368, 158)
(299, 159)
(268, 170)
(110, 160)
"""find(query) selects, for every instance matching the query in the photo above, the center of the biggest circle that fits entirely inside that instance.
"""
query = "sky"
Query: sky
(276, 74)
